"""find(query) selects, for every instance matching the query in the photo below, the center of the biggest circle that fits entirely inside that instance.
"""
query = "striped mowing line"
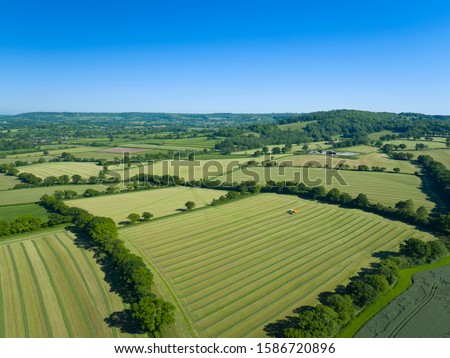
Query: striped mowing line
(20, 291)
(274, 248)
(268, 260)
(238, 305)
(3, 289)
(81, 266)
(56, 288)
(40, 297)
(35, 314)
(277, 270)
(95, 273)
(218, 237)
(73, 281)
(223, 230)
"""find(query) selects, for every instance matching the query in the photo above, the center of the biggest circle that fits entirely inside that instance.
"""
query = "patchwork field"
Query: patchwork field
(7, 182)
(234, 268)
(10, 212)
(437, 142)
(441, 155)
(369, 159)
(294, 126)
(85, 170)
(386, 188)
(159, 202)
(189, 170)
(198, 142)
(32, 195)
(51, 288)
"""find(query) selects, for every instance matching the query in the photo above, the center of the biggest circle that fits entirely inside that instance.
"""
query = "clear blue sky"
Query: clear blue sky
(224, 56)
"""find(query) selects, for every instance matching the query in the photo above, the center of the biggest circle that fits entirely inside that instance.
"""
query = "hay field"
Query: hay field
(386, 188)
(85, 170)
(11, 212)
(236, 267)
(8, 182)
(51, 288)
(441, 155)
(159, 202)
(369, 159)
(32, 195)
(189, 170)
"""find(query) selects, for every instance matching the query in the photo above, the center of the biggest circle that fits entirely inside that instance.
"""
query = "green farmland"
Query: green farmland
(10, 212)
(159, 202)
(370, 159)
(253, 263)
(441, 155)
(32, 195)
(386, 188)
(51, 288)
(85, 170)
(7, 182)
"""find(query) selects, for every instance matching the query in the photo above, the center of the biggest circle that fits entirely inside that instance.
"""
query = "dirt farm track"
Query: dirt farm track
(423, 311)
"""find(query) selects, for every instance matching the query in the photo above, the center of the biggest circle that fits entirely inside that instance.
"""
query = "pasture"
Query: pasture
(441, 155)
(10, 212)
(386, 188)
(233, 268)
(32, 195)
(85, 170)
(8, 182)
(294, 126)
(51, 288)
(369, 159)
(436, 143)
(189, 170)
(159, 202)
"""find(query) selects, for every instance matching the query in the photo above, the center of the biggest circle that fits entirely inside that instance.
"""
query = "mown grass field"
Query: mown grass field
(159, 202)
(7, 182)
(198, 142)
(312, 146)
(386, 188)
(189, 170)
(51, 288)
(369, 159)
(32, 195)
(377, 135)
(234, 268)
(441, 155)
(294, 126)
(10, 212)
(437, 142)
(85, 170)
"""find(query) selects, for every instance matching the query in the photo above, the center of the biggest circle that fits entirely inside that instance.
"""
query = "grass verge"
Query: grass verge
(403, 283)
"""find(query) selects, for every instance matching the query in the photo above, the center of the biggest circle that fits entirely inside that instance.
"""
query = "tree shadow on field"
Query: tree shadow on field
(323, 296)
(112, 276)
(124, 321)
(428, 188)
(276, 329)
(382, 255)
(302, 309)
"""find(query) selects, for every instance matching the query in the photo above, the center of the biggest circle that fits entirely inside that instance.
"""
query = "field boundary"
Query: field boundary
(403, 283)
(167, 287)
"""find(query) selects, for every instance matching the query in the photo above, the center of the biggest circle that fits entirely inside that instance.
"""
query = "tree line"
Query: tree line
(132, 279)
(338, 308)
